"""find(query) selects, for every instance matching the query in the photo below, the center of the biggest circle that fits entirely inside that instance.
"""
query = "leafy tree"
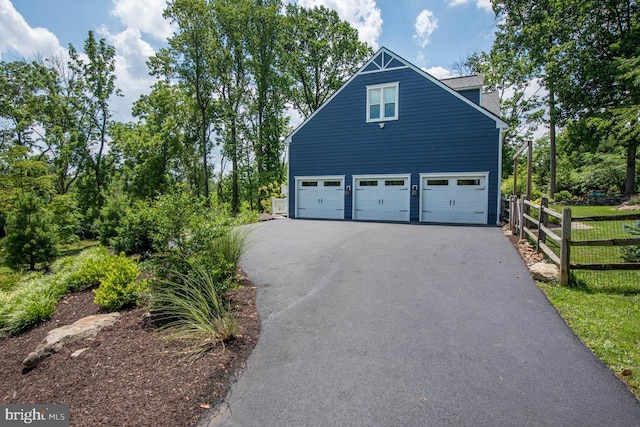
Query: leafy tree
(21, 101)
(188, 59)
(60, 141)
(580, 49)
(320, 53)
(267, 100)
(92, 92)
(513, 77)
(30, 237)
(231, 18)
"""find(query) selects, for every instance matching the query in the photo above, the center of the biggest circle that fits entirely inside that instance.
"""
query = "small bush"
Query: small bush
(111, 214)
(87, 269)
(562, 196)
(119, 287)
(66, 218)
(631, 253)
(173, 215)
(135, 231)
(266, 192)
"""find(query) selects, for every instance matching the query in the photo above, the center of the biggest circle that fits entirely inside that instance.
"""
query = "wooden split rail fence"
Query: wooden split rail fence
(537, 228)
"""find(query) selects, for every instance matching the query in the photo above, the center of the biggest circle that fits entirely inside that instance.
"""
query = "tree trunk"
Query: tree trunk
(235, 199)
(205, 164)
(630, 181)
(552, 142)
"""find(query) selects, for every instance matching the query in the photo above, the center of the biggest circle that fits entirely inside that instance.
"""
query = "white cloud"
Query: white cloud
(144, 15)
(17, 37)
(480, 4)
(363, 15)
(439, 72)
(426, 24)
(132, 73)
(140, 17)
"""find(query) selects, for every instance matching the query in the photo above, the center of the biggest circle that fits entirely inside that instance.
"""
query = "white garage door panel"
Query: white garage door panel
(320, 198)
(458, 199)
(381, 198)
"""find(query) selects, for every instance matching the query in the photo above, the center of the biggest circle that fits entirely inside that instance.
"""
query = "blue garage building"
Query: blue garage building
(396, 144)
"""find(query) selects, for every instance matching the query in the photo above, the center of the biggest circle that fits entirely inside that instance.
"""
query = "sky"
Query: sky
(432, 34)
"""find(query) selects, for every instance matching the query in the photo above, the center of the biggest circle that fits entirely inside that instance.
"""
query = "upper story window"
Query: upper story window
(382, 102)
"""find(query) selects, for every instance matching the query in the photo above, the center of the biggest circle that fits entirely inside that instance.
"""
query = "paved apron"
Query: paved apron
(368, 324)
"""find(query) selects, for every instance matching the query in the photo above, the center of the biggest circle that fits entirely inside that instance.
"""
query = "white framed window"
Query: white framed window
(382, 102)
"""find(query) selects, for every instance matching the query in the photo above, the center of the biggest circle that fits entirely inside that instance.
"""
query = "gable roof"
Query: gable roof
(385, 60)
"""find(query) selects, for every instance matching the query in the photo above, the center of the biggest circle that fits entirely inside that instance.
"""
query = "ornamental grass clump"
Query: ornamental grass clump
(32, 300)
(189, 308)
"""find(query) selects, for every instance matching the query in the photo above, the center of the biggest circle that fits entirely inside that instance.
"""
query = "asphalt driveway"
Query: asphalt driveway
(367, 324)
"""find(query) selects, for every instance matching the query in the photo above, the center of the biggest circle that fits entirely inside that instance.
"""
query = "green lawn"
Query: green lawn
(603, 308)
(606, 321)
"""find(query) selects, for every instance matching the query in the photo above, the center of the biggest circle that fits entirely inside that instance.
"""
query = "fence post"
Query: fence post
(512, 214)
(565, 247)
(529, 167)
(521, 219)
(543, 218)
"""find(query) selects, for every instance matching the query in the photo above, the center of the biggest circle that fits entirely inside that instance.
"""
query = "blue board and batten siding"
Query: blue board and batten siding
(436, 132)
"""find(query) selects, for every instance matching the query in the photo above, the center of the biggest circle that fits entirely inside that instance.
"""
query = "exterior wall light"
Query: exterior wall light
(414, 190)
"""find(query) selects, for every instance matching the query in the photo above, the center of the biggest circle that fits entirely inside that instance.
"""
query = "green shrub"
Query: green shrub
(266, 192)
(66, 218)
(87, 269)
(507, 186)
(135, 231)
(562, 196)
(631, 253)
(111, 214)
(119, 287)
(173, 215)
(602, 171)
(190, 308)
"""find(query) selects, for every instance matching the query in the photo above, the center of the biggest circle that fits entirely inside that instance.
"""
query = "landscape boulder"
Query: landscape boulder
(544, 272)
(87, 327)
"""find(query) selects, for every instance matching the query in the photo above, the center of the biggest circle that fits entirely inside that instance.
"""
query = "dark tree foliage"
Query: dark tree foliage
(30, 237)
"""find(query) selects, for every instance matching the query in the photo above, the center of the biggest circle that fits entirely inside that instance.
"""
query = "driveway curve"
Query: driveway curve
(368, 324)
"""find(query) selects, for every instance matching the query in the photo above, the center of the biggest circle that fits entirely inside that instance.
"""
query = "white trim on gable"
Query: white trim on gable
(500, 124)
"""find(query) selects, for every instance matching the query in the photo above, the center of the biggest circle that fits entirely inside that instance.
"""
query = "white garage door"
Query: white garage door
(454, 198)
(381, 198)
(321, 197)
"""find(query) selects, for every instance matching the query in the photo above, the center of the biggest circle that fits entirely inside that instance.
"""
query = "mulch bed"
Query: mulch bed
(129, 375)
